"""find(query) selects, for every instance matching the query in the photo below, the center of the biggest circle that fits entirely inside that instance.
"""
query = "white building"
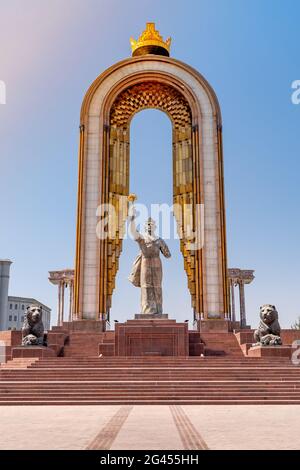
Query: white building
(16, 309)
(13, 309)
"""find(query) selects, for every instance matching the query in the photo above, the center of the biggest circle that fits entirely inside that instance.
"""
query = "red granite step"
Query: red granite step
(149, 385)
(221, 343)
(143, 377)
(143, 380)
(151, 402)
(83, 344)
(19, 363)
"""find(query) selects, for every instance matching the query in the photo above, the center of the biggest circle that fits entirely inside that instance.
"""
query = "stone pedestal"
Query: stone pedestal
(94, 326)
(270, 351)
(214, 326)
(157, 337)
(151, 316)
(32, 351)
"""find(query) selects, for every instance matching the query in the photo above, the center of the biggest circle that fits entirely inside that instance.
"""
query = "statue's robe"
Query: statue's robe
(147, 273)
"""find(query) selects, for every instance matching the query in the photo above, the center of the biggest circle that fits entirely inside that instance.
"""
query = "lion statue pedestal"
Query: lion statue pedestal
(267, 336)
(33, 328)
(268, 331)
(34, 344)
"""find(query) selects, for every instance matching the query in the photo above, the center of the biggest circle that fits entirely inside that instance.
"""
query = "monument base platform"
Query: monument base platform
(86, 339)
(151, 316)
(214, 325)
(270, 351)
(32, 351)
(155, 337)
(82, 326)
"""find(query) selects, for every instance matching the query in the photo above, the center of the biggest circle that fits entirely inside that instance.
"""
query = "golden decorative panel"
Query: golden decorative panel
(167, 99)
(151, 95)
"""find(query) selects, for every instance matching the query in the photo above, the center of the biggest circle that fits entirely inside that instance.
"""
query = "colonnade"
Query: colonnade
(64, 280)
(239, 277)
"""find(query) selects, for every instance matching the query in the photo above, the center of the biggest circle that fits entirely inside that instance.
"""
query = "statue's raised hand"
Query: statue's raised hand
(132, 212)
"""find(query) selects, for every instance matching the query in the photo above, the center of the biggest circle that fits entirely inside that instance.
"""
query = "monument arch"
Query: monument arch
(140, 82)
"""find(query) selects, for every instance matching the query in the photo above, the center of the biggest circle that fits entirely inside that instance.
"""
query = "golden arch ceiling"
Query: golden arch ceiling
(151, 95)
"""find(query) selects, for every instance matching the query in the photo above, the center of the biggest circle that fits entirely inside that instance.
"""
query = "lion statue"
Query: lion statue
(268, 332)
(33, 328)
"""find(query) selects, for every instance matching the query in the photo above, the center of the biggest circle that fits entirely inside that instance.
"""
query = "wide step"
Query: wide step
(162, 380)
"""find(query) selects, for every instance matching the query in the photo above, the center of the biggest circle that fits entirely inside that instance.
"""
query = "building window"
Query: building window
(10, 318)
(9, 328)
(23, 306)
(22, 318)
(15, 318)
(16, 306)
(10, 306)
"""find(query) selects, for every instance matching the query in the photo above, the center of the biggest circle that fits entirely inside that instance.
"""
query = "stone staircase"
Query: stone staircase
(151, 380)
(86, 344)
(221, 344)
(82, 344)
(18, 363)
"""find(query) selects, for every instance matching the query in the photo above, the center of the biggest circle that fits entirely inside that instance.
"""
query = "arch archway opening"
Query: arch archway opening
(151, 178)
(164, 97)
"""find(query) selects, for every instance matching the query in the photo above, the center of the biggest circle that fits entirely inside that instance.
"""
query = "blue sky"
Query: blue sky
(50, 52)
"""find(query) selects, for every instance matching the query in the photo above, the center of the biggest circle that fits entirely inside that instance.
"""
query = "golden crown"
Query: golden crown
(151, 41)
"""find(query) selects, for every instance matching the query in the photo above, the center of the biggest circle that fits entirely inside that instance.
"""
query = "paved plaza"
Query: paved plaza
(160, 427)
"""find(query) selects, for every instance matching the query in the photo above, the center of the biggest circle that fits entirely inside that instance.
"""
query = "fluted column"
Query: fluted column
(233, 318)
(62, 302)
(59, 305)
(242, 304)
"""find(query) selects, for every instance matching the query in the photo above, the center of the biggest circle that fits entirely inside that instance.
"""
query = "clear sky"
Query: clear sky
(50, 52)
